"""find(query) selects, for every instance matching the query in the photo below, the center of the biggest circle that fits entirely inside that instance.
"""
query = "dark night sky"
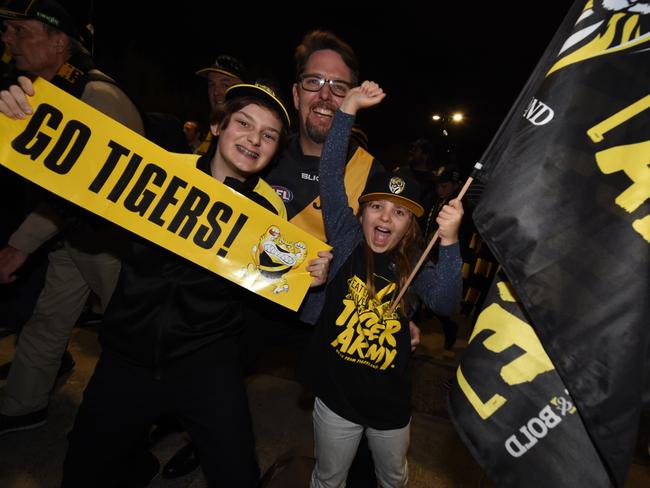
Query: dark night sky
(467, 57)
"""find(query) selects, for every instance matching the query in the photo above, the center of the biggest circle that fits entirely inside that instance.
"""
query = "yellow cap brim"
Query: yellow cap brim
(257, 91)
(205, 71)
(414, 207)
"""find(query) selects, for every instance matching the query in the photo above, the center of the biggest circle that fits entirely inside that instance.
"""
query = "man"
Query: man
(326, 69)
(421, 156)
(225, 72)
(45, 41)
(16, 200)
(424, 168)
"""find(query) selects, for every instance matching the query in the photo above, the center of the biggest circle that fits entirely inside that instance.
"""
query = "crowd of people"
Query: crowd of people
(177, 339)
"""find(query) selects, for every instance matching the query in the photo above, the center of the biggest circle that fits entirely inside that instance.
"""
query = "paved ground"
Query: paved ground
(437, 457)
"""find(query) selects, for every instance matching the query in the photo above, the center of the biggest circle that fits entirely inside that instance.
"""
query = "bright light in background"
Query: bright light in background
(447, 120)
(455, 117)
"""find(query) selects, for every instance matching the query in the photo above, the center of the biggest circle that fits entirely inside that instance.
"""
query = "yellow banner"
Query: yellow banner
(82, 155)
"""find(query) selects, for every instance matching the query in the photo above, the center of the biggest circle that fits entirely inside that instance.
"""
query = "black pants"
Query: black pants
(18, 299)
(204, 391)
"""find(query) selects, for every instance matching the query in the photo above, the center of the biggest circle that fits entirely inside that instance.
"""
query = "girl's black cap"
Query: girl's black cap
(399, 187)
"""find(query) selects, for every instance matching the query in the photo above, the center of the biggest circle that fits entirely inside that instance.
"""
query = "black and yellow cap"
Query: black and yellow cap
(261, 91)
(226, 65)
(49, 12)
(399, 187)
(449, 173)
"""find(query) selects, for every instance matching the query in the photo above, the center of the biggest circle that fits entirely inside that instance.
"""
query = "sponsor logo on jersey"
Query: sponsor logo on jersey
(284, 193)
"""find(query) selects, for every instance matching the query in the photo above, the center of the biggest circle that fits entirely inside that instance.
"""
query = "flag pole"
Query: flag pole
(434, 239)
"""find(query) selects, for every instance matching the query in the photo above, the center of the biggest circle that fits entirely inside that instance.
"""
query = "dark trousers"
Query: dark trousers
(204, 391)
(18, 299)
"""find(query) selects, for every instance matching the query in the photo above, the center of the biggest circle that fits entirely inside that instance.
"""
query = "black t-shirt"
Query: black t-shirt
(358, 362)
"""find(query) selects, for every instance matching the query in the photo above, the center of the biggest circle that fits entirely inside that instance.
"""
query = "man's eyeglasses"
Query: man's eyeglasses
(314, 83)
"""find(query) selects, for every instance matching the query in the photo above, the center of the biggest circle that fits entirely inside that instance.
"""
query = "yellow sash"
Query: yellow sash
(357, 169)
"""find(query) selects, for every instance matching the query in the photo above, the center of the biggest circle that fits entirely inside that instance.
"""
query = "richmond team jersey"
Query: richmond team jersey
(295, 178)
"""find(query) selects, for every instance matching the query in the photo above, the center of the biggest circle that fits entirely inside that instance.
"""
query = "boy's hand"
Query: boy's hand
(364, 96)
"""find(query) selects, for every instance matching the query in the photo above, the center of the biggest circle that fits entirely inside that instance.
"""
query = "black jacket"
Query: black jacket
(165, 307)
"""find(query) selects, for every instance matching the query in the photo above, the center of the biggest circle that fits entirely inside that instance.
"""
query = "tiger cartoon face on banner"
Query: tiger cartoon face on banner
(274, 256)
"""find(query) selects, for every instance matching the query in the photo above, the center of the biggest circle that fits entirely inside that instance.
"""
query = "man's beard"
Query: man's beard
(316, 134)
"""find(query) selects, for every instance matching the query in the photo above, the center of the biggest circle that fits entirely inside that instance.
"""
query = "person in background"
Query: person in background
(358, 362)
(46, 41)
(192, 132)
(424, 168)
(221, 75)
(17, 199)
(447, 186)
(422, 156)
(439, 182)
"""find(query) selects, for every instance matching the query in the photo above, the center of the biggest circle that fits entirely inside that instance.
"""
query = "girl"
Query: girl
(358, 362)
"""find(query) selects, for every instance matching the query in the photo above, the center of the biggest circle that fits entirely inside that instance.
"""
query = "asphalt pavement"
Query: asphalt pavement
(282, 421)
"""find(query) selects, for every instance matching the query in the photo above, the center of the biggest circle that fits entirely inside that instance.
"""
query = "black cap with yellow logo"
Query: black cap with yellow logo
(399, 187)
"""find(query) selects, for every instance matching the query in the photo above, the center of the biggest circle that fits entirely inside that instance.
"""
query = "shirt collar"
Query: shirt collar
(240, 186)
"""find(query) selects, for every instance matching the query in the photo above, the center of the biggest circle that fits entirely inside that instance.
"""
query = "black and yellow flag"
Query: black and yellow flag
(567, 214)
(511, 407)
